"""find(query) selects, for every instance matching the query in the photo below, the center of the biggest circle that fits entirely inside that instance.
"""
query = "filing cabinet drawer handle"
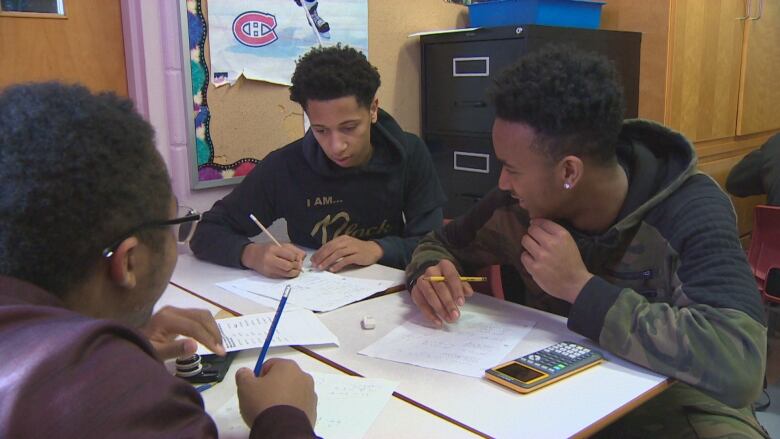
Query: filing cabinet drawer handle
(471, 66)
(481, 170)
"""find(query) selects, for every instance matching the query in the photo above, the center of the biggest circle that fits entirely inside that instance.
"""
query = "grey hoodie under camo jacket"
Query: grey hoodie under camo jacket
(672, 290)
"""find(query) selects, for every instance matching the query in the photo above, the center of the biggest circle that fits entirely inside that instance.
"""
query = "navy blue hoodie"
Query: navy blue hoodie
(393, 200)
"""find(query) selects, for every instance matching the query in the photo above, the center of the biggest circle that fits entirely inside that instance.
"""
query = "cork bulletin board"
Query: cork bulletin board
(232, 128)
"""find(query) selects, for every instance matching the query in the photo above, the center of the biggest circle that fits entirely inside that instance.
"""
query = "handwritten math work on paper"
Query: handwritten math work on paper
(296, 327)
(314, 290)
(346, 407)
(474, 343)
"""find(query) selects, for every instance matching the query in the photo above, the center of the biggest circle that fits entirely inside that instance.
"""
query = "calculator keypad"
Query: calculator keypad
(554, 359)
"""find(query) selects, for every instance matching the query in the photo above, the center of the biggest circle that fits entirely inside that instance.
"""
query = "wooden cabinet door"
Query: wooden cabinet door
(86, 46)
(704, 69)
(759, 98)
(652, 19)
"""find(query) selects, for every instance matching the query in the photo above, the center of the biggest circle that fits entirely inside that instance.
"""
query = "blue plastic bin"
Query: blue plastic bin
(570, 13)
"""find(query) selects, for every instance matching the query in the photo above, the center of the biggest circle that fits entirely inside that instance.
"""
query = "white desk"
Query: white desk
(578, 405)
(563, 409)
(174, 296)
(200, 277)
(398, 418)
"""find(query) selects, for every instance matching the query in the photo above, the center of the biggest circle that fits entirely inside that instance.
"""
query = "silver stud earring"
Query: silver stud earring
(567, 185)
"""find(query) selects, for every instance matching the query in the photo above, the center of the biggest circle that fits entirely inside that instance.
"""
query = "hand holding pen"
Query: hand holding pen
(276, 381)
(272, 329)
(281, 382)
(268, 338)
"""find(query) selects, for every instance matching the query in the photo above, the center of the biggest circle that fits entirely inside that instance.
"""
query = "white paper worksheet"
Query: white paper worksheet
(296, 327)
(474, 343)
(346, 407)
(314, 290)
(262, 300)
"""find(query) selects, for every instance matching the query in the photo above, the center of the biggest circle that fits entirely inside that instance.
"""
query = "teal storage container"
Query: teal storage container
(567, 13)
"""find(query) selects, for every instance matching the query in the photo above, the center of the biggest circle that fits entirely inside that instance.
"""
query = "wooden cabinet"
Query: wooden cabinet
(707, 65)
(759, 93)
(708, 69)
(704, 67)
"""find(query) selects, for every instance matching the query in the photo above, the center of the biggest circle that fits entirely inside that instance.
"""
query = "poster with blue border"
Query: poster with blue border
(262, 39)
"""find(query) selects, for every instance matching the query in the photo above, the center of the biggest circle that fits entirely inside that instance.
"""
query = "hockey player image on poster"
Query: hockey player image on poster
(262, 39)
(313, 17)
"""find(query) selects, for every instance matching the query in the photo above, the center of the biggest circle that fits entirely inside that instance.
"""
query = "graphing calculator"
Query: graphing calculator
(543, 367)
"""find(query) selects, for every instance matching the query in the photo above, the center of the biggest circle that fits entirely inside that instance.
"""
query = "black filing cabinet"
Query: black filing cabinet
(458, 68)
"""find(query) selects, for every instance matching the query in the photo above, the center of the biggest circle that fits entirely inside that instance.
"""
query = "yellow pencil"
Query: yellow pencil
(463, 278)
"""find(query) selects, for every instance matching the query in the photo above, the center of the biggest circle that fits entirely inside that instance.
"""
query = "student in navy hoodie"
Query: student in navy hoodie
(356, 186)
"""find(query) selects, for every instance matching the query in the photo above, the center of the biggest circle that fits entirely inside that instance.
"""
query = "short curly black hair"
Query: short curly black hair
(77, 171)
(572, 99)
(325, 73)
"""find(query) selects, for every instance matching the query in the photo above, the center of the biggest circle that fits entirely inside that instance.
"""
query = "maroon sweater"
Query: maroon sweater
(66, 375)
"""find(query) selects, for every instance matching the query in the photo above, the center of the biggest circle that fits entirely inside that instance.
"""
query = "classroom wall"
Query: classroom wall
(49, 47)
(252, 118)
(156, 82)
(156, 85)
(398, 57)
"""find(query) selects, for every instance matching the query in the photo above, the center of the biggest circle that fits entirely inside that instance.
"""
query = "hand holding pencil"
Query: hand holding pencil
(440, 291)
(273, 259)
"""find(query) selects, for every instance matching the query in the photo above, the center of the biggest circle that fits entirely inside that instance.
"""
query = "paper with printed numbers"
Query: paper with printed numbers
(296, 327)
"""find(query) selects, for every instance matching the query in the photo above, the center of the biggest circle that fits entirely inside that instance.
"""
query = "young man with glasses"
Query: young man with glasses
(87, 246)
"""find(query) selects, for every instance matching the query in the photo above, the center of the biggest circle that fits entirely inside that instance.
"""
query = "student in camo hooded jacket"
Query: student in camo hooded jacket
(610, 224)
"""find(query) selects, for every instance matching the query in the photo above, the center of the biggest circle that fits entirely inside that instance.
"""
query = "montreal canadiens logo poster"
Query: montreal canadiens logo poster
(262, 39)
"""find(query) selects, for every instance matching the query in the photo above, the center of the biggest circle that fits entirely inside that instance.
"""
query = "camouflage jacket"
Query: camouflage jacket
(672, 289)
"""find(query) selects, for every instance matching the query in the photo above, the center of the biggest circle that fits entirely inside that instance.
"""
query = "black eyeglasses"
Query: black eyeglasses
(183, 228)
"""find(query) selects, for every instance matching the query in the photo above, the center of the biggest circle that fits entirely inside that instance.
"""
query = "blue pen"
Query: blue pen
(204, 387)
(267, 344)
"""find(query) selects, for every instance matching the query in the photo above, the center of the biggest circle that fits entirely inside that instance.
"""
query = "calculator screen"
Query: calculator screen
(520, 372)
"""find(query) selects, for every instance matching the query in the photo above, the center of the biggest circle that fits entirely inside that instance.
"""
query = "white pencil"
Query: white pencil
(262, 227)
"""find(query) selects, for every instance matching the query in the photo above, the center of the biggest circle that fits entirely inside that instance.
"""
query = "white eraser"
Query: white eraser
(368, 322)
